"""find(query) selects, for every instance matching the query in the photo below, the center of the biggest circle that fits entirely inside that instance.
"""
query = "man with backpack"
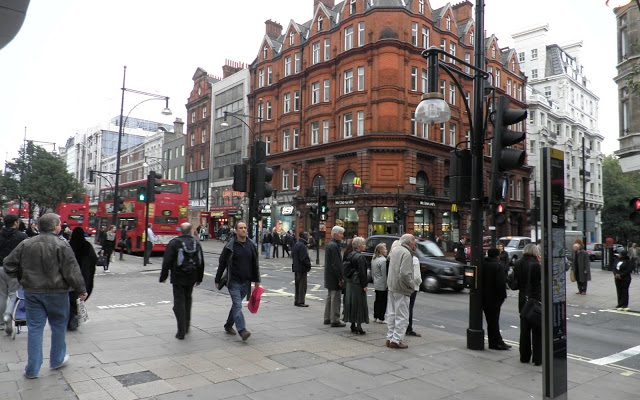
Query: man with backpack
(184, 258)
(10, 237)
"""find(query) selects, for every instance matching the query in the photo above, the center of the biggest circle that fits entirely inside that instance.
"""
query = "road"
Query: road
(596, 331)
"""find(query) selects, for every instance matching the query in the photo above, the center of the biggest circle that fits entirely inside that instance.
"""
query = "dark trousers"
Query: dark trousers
(492, 315)
(72, 324)
(182, 306)
(380, 304)
(301, 287)
(622, 289)
(285, 248)
(148, 249)
(275, 251)
(582, 286)
(530, 338)
(412, 302)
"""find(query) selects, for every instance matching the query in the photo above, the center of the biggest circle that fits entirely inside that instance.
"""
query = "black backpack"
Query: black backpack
(188, 259)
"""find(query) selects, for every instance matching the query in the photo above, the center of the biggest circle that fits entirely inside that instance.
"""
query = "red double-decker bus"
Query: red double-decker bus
(166, 213)
(13, 208)
(76, 214)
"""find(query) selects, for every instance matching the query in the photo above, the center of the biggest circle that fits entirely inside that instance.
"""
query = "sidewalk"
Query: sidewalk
(131, 353)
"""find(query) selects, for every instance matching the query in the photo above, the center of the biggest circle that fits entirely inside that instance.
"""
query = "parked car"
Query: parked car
(513, 245)
(437, 271)
(595, 251)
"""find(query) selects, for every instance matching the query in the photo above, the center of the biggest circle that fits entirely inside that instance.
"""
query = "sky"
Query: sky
(62, 73)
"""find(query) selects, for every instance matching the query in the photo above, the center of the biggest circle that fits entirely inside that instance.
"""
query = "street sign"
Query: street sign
(554, 285)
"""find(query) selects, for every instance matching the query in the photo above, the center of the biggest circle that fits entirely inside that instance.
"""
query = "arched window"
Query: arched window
(422, 183)
(318, 184)
(347, 178)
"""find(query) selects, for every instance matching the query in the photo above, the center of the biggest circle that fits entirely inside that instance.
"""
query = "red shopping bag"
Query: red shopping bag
(254, 300)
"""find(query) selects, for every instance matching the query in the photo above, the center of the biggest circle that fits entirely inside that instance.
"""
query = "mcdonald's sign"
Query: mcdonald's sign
(357, 182)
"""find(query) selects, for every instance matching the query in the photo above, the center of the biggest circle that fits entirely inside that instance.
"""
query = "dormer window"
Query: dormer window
(264, 53)
(421, 6)
(291, 39)
(320, 21)
(448, 23)
(513, 65)
(472, 38)
(493, 52)
(352, 7)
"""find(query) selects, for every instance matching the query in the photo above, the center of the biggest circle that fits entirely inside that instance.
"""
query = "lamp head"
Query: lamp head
(166, 110)
(145, 164)
(433, 109)
(224, 122)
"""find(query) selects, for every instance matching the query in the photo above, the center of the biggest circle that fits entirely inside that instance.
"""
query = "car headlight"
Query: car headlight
(448, 270)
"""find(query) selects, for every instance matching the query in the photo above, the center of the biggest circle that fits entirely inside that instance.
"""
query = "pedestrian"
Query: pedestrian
(184, 258)
(276, 241)
(151, 239)
(581, 266)
(32, 230)
(267, 241)
(379, 272)
(494, 292)
(108, 245)
(461, 255)
(333, 278)
(289, 242)
(529, 277)
(100, 235)
(417, 281)
(401, 286)
(356, 310)
(301, 266)
(86, 258)
(10, 237)
(622, 278)
(634, 253)
(47, 270)
(240, 257)
(65, 232)
(122, 243)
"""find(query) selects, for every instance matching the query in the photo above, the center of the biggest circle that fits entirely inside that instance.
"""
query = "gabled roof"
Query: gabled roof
(464, 26)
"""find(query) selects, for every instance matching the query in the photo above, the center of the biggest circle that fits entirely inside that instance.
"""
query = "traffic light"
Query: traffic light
(240, 178)
(262, 181)
(501, 214)
(120, 204)
(153, 186)
(322, 207)
(634, 217)
(503, 157)
(91, 176)
(142, 194)
(460, 176)
(313, 213)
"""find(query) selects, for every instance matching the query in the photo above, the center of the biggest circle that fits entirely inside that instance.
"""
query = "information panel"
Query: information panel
(554, 299)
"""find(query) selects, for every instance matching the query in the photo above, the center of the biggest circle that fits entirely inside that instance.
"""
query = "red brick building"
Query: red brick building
(337, 96)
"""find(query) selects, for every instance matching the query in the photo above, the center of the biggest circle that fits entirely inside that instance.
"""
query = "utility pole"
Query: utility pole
(584, 193)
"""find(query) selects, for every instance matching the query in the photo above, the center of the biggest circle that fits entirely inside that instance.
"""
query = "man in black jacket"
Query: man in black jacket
(333, 278)
(183, 257)
(10, 237)
(494, 292)
(240, 257)
(301, 266)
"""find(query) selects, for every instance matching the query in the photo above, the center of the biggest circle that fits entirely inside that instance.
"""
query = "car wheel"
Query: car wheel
(592, 258)
(430, 284)
(458, 288)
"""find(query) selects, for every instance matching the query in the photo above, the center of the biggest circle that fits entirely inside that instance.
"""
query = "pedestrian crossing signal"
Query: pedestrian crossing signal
(634, 204)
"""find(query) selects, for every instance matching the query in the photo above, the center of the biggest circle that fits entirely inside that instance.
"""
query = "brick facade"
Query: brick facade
(370, 63)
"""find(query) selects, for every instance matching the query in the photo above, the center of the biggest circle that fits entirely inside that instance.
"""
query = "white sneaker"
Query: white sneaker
(63, 363)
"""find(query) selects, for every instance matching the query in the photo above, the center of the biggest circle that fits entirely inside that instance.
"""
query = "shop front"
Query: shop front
(287, 217)
(220, 220)
(347, 213)
(423, 221)
(382, 221)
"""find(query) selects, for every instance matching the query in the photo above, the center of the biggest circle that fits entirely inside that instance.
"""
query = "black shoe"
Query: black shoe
(229, 329)
(537, 364)
(413, 333)
(359, 331)
(327, 322)
(354, 329)
(500, 347)
(302, 305)
(180, 336)
(338, 325)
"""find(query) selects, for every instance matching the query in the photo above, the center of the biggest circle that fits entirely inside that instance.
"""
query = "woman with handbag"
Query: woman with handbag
(87, 258)
(622, 277)
(529, 277)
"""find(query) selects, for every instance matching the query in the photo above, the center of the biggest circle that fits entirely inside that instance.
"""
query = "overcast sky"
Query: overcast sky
(62, 73)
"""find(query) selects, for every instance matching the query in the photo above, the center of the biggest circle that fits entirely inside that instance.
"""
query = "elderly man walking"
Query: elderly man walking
(333, 279)
(401, 286)
(47, 269)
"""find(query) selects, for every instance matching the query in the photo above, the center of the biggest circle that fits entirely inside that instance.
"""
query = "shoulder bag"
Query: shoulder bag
(532, 310)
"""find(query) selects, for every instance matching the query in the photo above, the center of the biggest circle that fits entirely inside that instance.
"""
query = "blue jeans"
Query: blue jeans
(267, 250)
(237, 291)
(40, 308)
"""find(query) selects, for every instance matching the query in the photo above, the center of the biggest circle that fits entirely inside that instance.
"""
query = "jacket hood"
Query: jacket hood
(8, 232)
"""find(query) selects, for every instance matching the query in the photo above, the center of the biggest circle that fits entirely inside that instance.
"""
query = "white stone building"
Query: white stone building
(563, 113)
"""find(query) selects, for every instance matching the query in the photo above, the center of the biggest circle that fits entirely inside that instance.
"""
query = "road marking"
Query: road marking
(633, 351)
(121, 305)
(514, 327)
(576, 315)
(632, 313)
(282, 293)
(438, 326)
(164, 302)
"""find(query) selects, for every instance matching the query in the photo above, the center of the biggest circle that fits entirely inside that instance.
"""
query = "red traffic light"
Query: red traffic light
(634, 204)
(500, 216)
(500, 209)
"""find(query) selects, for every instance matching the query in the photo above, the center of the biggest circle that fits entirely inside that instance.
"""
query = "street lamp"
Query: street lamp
(432, 110)
(253, 156)
(156, 160)
(165, 111)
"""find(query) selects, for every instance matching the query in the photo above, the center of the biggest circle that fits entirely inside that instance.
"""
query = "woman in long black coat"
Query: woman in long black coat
(622, 277)
(86, 257)
(529, 275)
(356, 310)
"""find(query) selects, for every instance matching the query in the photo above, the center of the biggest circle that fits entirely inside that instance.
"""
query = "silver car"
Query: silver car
(513, 245)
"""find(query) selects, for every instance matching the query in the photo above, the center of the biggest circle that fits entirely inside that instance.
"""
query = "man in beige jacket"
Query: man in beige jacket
(401, 286)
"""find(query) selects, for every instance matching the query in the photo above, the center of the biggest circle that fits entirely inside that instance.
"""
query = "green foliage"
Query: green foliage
(40, 177)
(618, 189)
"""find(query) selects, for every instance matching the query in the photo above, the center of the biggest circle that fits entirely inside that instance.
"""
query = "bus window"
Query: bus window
(165, 220)
(77, 219)
(171, 188)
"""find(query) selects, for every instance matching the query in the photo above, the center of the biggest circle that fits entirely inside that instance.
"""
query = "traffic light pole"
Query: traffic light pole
(318, 228)
(475, 331)
(146, 226)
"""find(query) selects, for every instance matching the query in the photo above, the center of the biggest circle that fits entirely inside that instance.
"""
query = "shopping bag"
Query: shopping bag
(83, 315)
(254, 300)
(572, 275)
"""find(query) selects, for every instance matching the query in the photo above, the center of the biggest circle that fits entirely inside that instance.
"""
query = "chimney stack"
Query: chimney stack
(231, 67)
(178, 126)
(273, 29)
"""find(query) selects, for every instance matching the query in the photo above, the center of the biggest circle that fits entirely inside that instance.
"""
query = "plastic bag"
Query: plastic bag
(83, 315)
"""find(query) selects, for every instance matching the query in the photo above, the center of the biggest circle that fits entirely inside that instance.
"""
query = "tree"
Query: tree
(617, 190)
(41, 178)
